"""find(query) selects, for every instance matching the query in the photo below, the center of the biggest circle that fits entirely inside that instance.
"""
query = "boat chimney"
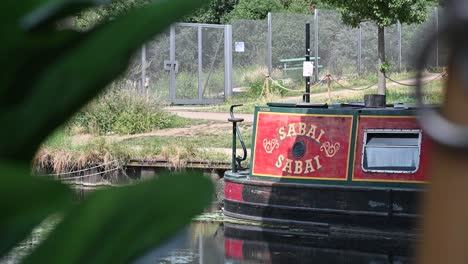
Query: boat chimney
(374, 100)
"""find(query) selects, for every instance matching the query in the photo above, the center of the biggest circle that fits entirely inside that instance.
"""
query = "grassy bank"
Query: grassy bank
(66, 152)
(87, 139)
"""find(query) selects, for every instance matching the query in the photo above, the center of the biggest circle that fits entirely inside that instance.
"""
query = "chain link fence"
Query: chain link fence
(276, 46)
(187, 64)
(250, 50)
(202, 63)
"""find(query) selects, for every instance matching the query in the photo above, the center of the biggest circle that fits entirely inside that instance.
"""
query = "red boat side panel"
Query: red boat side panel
(233, 191)
(389, 122)
(302, 146)
(233, 248)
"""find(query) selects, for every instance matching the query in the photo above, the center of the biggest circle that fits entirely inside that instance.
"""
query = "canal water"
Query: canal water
(226, 243)
(211, 240)
(220, 242)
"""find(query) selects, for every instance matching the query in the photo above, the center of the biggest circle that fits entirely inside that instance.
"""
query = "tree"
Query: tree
(254, 9)
(213, 13)
(305, 6)
(383, 13)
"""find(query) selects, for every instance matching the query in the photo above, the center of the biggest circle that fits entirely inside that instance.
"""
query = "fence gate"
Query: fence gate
(196, 65)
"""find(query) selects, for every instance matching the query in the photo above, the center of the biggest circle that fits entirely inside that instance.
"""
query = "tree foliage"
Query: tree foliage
(383, 13)
(255, 9)
(213, 13)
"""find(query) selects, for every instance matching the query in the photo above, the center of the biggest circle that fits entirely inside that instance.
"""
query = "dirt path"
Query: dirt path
(192, 131)
(208, 115)
(196, 130)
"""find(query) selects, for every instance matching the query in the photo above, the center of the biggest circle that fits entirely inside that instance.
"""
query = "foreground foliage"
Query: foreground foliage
(48, 75)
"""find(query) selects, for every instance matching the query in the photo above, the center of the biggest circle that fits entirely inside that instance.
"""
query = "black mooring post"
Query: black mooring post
(235, 133)
(306, 97)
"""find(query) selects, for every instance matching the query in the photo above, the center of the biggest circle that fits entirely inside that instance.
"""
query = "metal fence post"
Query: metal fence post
(143, 71)
(269, 40)
(172, 92)
(359, 60)
(399, 45)
(200, 61)
(316, 39)
(436, 11)
(228, 61)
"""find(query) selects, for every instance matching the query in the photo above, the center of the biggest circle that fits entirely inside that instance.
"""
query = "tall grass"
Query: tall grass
(122, 112)
(61, 153)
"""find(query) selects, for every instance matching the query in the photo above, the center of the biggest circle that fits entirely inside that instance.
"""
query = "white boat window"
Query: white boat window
(391, 151)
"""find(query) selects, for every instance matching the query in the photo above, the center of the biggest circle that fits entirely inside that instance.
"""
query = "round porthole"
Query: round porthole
(299, 149)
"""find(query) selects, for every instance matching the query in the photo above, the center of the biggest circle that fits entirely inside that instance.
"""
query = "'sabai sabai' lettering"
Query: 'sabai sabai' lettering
(300, 129)
(298, 167)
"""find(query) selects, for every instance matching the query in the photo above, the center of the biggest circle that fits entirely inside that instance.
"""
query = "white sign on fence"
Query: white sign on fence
(239, 46)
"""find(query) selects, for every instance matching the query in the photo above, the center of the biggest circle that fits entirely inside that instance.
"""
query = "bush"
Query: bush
(255, 79)
(122, 112)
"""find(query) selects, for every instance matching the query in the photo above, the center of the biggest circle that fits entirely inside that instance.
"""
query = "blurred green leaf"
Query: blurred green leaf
(25, 201)
(48, 14)
(49, 74)
(120, 224)
(34, 52)
(76, 71)
(33, 13)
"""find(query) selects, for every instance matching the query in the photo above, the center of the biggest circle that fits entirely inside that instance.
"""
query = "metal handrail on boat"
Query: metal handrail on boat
(237, 160)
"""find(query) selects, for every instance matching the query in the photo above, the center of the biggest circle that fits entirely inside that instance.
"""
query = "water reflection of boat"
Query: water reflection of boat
(257, 245)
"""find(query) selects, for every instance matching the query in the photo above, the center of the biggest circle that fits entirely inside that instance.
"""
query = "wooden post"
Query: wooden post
(267, 85)
(329, 85)
(444, 80)
(445, 209)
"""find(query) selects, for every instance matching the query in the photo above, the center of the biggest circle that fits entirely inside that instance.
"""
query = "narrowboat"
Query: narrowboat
(353, 169)
(338, 169)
